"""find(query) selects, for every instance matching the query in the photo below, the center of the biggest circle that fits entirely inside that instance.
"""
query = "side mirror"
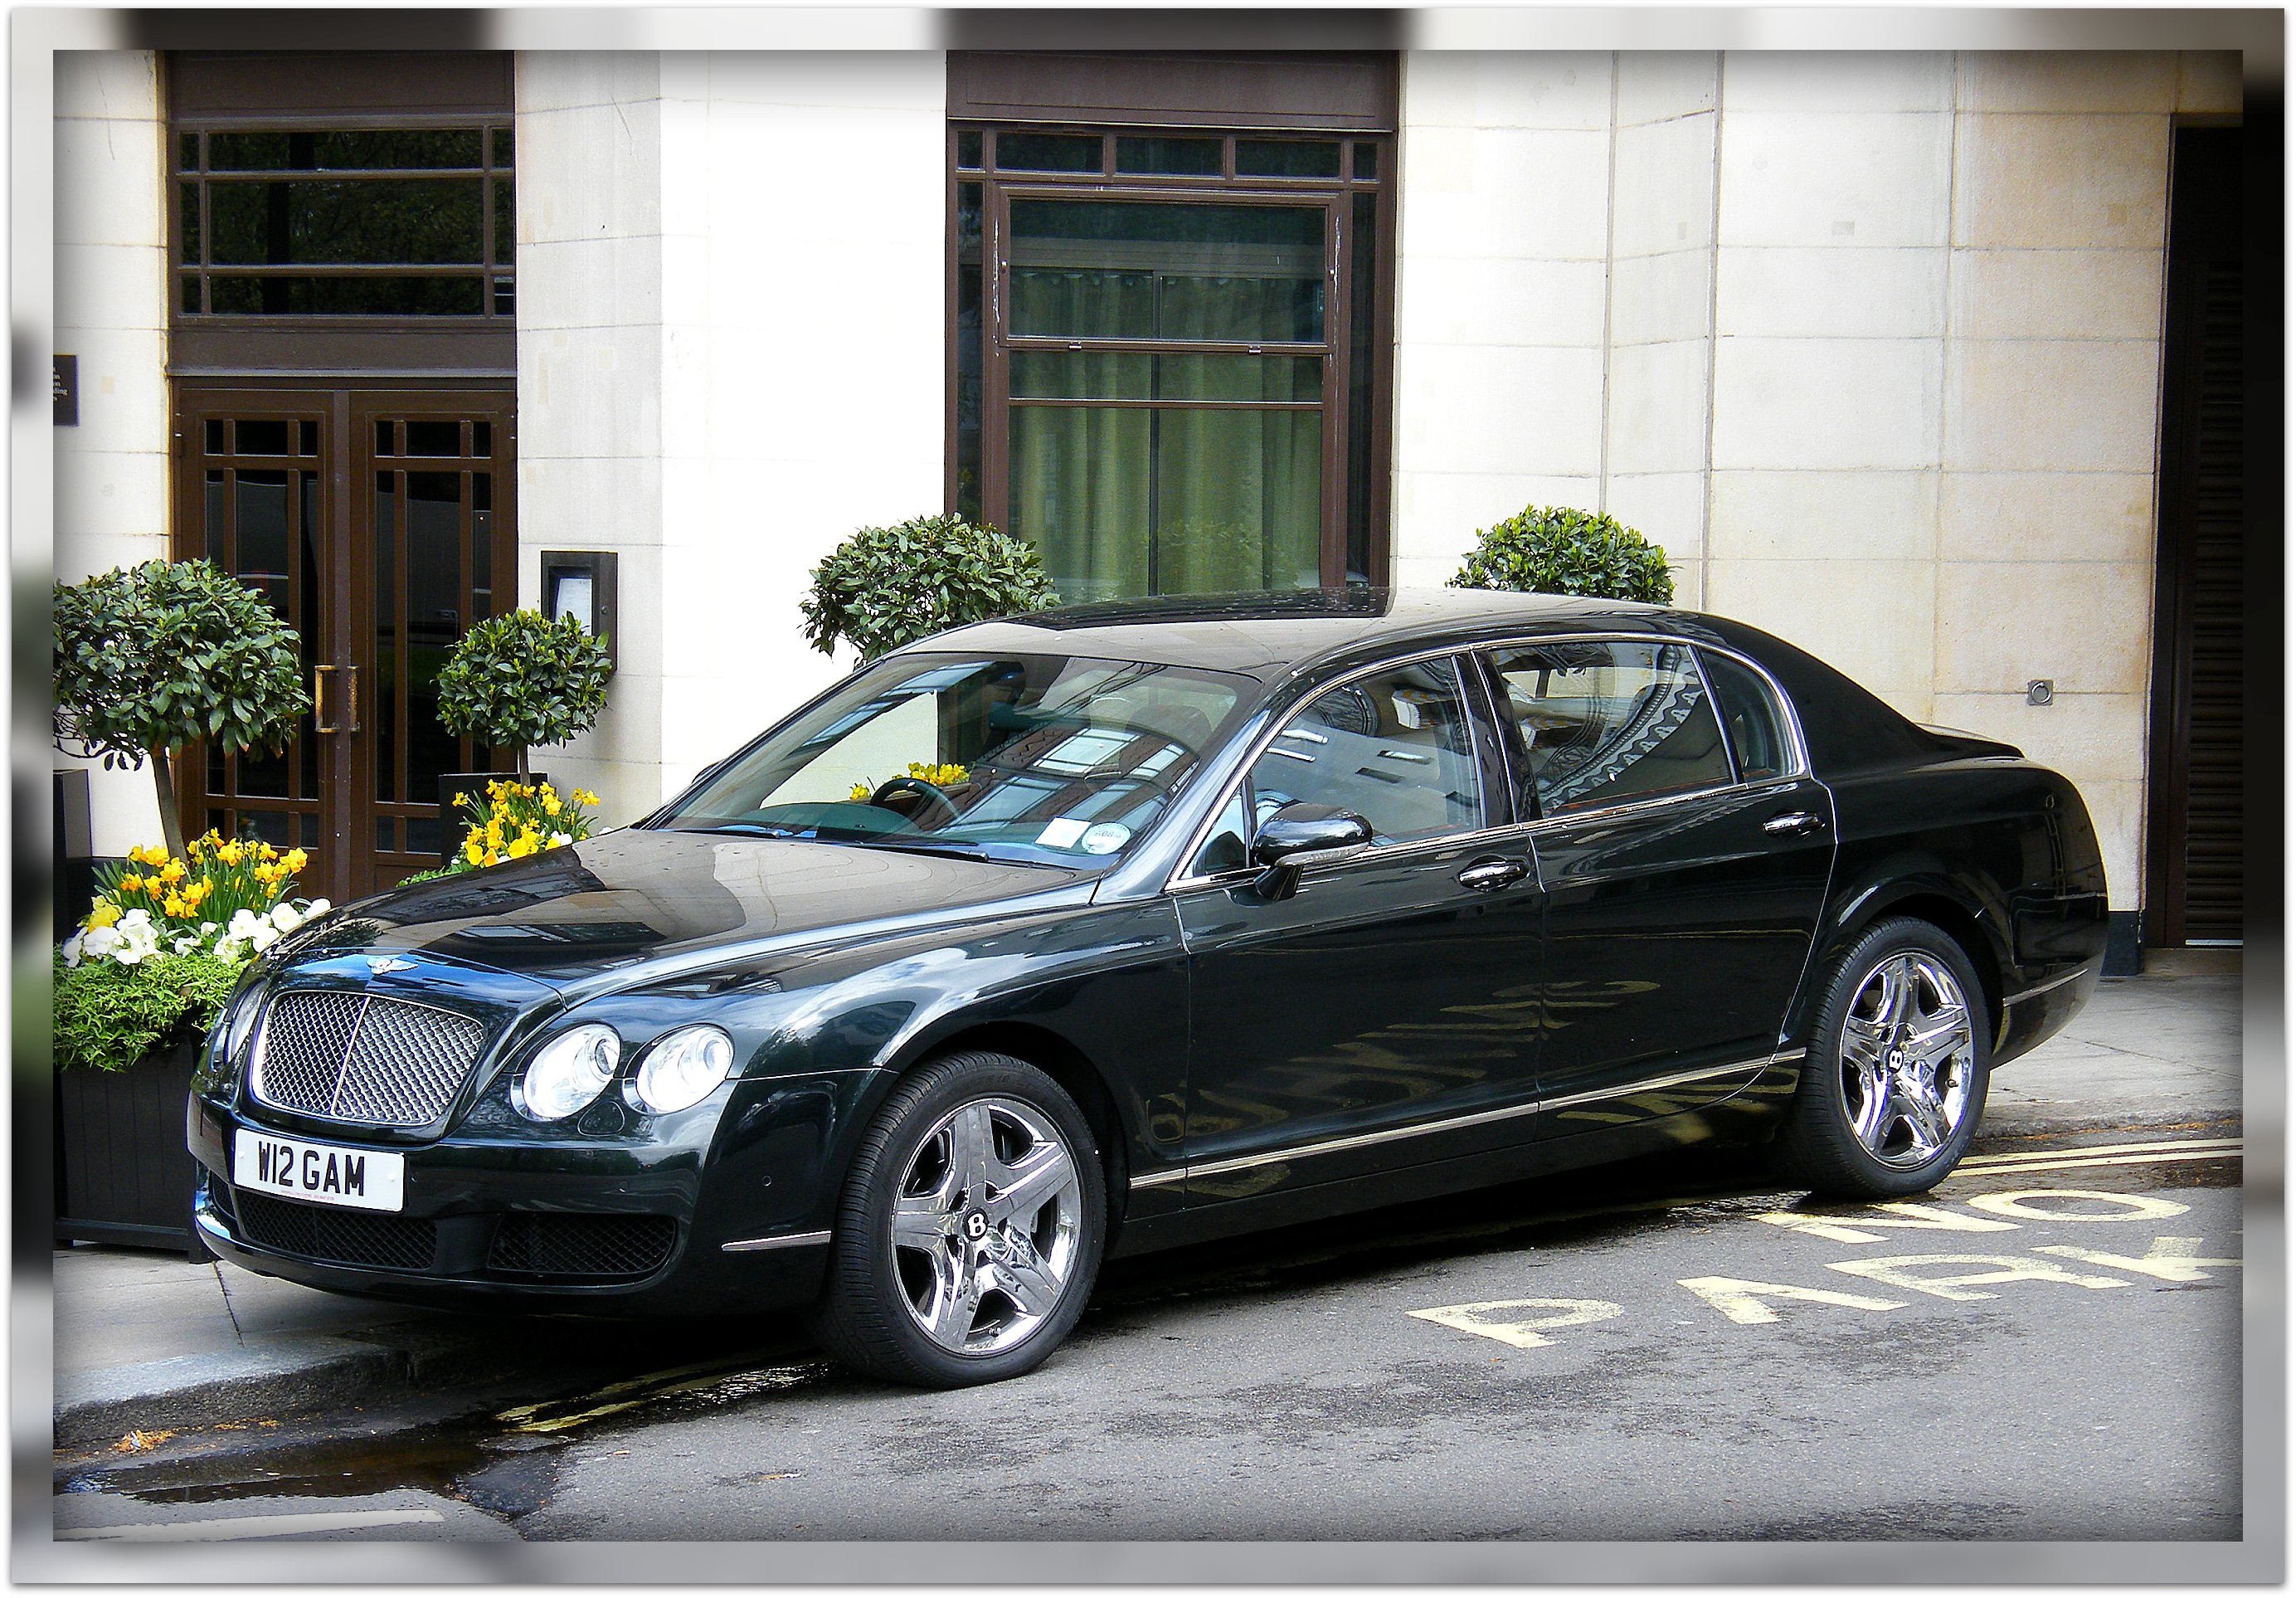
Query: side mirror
(1300, 836)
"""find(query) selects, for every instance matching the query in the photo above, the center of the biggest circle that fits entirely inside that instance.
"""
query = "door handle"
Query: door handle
(1489, 874)
(328, 716)
(1794, 823)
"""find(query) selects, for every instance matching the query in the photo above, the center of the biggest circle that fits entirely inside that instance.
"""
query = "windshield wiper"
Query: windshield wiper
(756, 829)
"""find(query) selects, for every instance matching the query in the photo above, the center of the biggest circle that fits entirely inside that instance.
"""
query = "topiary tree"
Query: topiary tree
(885, 586)
(152, 657)
(1551, 550)
(517, 678)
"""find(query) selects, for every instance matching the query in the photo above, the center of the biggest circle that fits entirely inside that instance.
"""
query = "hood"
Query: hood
(629, 905)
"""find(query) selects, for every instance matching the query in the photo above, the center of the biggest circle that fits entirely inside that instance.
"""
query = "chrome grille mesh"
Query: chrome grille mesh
(352, 1056)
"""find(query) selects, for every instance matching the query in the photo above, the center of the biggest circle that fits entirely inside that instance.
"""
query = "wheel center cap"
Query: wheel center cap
(1896, 1059)
(976, 1226)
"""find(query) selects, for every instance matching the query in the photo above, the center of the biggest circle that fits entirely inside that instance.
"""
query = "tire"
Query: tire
(1872, 1116)
(935, 1284)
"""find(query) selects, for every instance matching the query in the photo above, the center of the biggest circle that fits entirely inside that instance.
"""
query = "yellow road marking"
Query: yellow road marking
(1847, 1229)
(1742, 1301)
(2012, 1157)
(2023, 1204)
(2170, 1259)
(1897, 1272)
(2076, 1164)
(1521, 1332)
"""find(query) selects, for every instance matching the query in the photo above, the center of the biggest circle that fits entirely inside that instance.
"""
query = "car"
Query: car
(1130, 926)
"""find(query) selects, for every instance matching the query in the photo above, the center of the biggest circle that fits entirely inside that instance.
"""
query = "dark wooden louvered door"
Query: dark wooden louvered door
(2196, 853)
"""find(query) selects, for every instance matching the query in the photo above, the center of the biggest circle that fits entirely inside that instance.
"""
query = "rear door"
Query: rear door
(1683, 871)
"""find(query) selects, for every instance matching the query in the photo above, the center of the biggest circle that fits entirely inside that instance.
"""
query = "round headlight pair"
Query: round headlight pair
(680, 1070)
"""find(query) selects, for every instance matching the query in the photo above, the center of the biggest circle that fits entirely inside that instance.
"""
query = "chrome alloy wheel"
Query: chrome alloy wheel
(1907, 1053)
(986, 1226)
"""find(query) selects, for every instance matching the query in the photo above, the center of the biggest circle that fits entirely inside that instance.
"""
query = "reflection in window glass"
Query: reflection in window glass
(1605, 723)
(1048, 152)
(1091, 269)
(1045, 758)
(1287, 158)
(348, 151)
(1169, 157)
(344, 222)
(1395, 749)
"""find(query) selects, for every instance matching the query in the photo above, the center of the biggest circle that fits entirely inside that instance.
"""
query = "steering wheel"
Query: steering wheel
(924, 789)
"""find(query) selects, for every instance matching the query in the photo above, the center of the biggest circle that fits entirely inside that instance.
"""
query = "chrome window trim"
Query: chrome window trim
(1179, 881)
(1245, 1161)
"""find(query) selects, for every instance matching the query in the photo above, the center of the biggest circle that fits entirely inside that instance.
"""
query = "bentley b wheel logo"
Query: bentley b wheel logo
(976, 1226)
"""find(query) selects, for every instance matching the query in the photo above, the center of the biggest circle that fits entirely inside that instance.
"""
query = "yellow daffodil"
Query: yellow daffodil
(131, 883)
(297, 859)
(173, 871)
(103, 914)
(550, 803)
(230, 852)
(471, 851)
(176, 907)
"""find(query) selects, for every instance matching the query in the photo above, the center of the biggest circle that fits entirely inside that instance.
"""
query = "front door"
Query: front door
(377, 521)
(1387, 1014)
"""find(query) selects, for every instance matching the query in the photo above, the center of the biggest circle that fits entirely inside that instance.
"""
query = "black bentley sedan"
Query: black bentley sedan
(1121, 927)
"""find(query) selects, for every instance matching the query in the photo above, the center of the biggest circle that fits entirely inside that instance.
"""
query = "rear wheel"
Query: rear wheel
(971, 1228)
(1894, 1082)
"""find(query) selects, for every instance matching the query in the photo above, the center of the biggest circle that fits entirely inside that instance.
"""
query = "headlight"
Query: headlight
(233, 1028)
(683, 1067)
(572, 1069)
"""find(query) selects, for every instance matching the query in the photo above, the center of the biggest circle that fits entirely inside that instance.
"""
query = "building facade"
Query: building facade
(1928, 362)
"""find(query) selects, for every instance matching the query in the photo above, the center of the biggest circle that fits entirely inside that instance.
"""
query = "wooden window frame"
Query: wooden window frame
(1347, 552)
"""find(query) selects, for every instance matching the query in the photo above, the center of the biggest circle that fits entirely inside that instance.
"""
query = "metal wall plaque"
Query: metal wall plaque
(63, 385)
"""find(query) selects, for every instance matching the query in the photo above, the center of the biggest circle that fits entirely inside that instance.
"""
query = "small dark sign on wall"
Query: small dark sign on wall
(64, 384)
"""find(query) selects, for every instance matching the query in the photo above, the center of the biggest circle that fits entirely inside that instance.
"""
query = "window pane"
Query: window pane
(505, 150)
(1366, 158)
(506, 221)
(1121, 503)
(187, 231)
(1607, 723)
(968, 151)
(1090, 268)
(187, 152)
(434, 438)
(1751, 716)
(340, 151)
(347, 223)
(347, 296)
(1287, 158)
(1048, 152)
(1188, 158)
(1077, 374)
(968, 351)
(1394, 748)
(1363, 356)
(434, 618)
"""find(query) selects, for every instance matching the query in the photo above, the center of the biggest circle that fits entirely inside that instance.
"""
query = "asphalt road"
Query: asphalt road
(2047, 1347)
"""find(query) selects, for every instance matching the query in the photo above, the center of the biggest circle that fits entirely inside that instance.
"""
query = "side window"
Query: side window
(1607, 723)
(1395, 747)
(1750, 717)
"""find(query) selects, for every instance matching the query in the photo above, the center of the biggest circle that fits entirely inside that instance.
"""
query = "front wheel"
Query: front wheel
(971, 1228)
(1894, 1082)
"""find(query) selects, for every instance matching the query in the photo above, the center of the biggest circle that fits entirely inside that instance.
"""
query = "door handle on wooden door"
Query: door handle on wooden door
(322, 677)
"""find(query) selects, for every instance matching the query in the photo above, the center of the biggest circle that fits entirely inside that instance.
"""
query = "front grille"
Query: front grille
(360, 1057)
(398, 1242)
(544, 1245)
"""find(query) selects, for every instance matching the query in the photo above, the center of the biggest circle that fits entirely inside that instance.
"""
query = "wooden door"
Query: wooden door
(377, 521)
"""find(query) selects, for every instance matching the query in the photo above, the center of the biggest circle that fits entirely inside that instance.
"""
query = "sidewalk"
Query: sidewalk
(146, 1341)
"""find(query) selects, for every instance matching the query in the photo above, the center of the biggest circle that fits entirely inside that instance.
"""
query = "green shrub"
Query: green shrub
(519, 679)
(149, 658)
(1551, 550)
(108, 1015)
(885, 586)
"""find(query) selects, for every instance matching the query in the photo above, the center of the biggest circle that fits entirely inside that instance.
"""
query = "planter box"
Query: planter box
(124, 1173)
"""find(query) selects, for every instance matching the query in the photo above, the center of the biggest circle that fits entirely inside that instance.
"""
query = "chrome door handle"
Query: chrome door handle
(1795, 821)
(1487, 876)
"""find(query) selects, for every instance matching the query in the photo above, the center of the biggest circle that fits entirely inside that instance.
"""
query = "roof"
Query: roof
(1270, 634)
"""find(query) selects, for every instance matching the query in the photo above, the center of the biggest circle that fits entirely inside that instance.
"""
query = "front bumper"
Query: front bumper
(629, 1227)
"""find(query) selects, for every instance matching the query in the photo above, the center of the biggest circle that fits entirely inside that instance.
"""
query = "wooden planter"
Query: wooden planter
(123, 1172)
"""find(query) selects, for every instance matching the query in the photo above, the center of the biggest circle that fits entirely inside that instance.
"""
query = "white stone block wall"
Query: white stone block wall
(1880, 360)
(112, 312)
(731, 354)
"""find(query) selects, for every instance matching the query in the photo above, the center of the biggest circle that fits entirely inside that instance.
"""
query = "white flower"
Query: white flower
(242, 925)
(556, 838)
(284, 916)
(318, 907)
(187, 941)
(263, 938)
(231, 949)
(72, 950)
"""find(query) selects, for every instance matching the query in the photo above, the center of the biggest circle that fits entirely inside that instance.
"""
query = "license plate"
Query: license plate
(319, 1173)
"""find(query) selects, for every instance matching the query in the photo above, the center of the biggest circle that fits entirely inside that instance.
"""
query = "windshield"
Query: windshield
(1057, 759)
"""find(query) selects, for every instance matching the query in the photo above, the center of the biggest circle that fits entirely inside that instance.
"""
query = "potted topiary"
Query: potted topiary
(885, 586)
(150, 659)
(136, 989)
(153, 657)
(1552, 549)
(517, 680)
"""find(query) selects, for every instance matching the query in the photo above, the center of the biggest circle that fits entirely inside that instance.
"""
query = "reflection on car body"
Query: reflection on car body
(1125, 927)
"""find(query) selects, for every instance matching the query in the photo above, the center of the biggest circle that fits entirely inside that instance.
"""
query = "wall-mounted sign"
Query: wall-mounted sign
(64, 386)
(580, 584)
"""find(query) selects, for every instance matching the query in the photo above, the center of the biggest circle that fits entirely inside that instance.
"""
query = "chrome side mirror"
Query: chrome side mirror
(1300, 835)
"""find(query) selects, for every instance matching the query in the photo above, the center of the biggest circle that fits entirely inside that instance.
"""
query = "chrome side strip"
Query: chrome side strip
(2054, 981)
(788, 1240)
(1366, 1139)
